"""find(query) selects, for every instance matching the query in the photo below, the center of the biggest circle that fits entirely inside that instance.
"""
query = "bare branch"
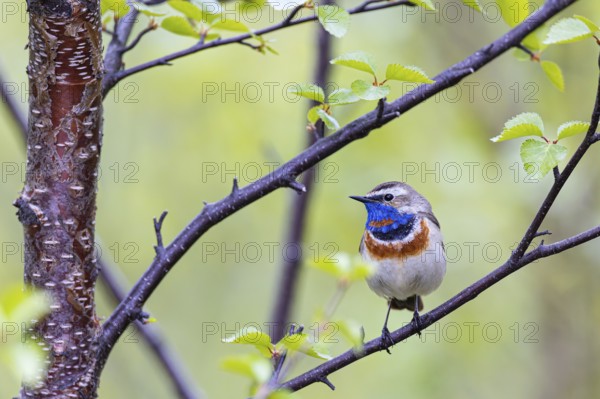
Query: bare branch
(359, 128)
(460, 299)
(114, 76)
(562, 178)
(113, 59)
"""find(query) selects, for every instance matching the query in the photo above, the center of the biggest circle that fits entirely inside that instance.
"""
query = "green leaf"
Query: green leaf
(119, 7)
(255, 337)
(592, 26)
(367, 91)
(521, 55)
(522, 125)
(329, 120)
(406, 74)
(336, 266)
(356, 60)
(343, 266)
(179, 26)
(186, 8)
(301, 343)
(342, 97)
(352, 331)
(359, 271)
(568, 30)
(334, 19)
(572, 128)
(280, 394)
(230, 25)
(254, 366)
(474, 4)
(312, 114)
(554, 73)
(144, 9)
(426, 4)
(540, 157)
(19, 305)
(514, 11)
(308, 90)
(27, 362)
(534, 42)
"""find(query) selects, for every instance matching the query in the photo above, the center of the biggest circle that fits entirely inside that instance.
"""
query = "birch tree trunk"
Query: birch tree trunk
(58, 203)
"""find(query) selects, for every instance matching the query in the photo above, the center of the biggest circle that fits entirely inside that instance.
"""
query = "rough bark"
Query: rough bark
(58, 203)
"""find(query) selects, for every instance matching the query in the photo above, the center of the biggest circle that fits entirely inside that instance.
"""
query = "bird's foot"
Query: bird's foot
(386, 339)
(416, 320)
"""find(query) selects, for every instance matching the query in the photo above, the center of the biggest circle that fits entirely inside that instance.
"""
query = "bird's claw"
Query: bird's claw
(416, 320)
(386, 339)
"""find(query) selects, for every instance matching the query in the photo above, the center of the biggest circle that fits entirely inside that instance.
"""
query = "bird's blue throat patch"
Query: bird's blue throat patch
(386, 223)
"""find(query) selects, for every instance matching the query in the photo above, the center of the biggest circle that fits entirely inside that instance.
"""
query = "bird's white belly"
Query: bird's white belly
(415, 275)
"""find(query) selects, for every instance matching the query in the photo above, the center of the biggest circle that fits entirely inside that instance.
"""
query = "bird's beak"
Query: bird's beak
(364, 200)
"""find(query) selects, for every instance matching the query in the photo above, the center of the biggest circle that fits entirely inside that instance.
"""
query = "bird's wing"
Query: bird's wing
(362, 244)
(431, 218)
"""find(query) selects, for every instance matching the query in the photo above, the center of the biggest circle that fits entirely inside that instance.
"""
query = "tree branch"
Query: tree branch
(114, 76)
(516, 261)
(560, 181)
(466, 295)
(286, 286)
(113, 59)
(215, 212)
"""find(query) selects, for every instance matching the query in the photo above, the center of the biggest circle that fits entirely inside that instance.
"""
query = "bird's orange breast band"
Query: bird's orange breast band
(416, 246)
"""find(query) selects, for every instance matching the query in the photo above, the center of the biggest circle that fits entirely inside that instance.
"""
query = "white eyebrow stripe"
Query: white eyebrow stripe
(395, 191)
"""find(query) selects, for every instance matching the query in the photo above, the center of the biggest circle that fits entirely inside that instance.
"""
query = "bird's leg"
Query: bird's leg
(386, 337)
(416, 318)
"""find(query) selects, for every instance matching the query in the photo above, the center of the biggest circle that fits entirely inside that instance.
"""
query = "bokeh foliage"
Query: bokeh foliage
(175, 136)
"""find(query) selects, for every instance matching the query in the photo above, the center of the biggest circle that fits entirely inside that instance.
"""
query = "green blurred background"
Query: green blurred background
(170, 143)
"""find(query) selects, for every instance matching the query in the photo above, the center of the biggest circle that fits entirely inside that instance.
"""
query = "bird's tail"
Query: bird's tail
(408, 303)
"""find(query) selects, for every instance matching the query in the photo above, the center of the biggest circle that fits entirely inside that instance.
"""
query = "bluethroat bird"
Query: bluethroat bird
(402, 239)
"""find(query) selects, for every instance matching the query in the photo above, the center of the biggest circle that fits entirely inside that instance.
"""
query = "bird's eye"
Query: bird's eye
(388, 197)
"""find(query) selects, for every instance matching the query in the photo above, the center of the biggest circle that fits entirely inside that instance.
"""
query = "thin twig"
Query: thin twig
(151, 26)
(368, 3)
(532, 55)
(542, 233)
(115, 76)
(252, 46)
(159, 248)
(295, 11)
(359, 128)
